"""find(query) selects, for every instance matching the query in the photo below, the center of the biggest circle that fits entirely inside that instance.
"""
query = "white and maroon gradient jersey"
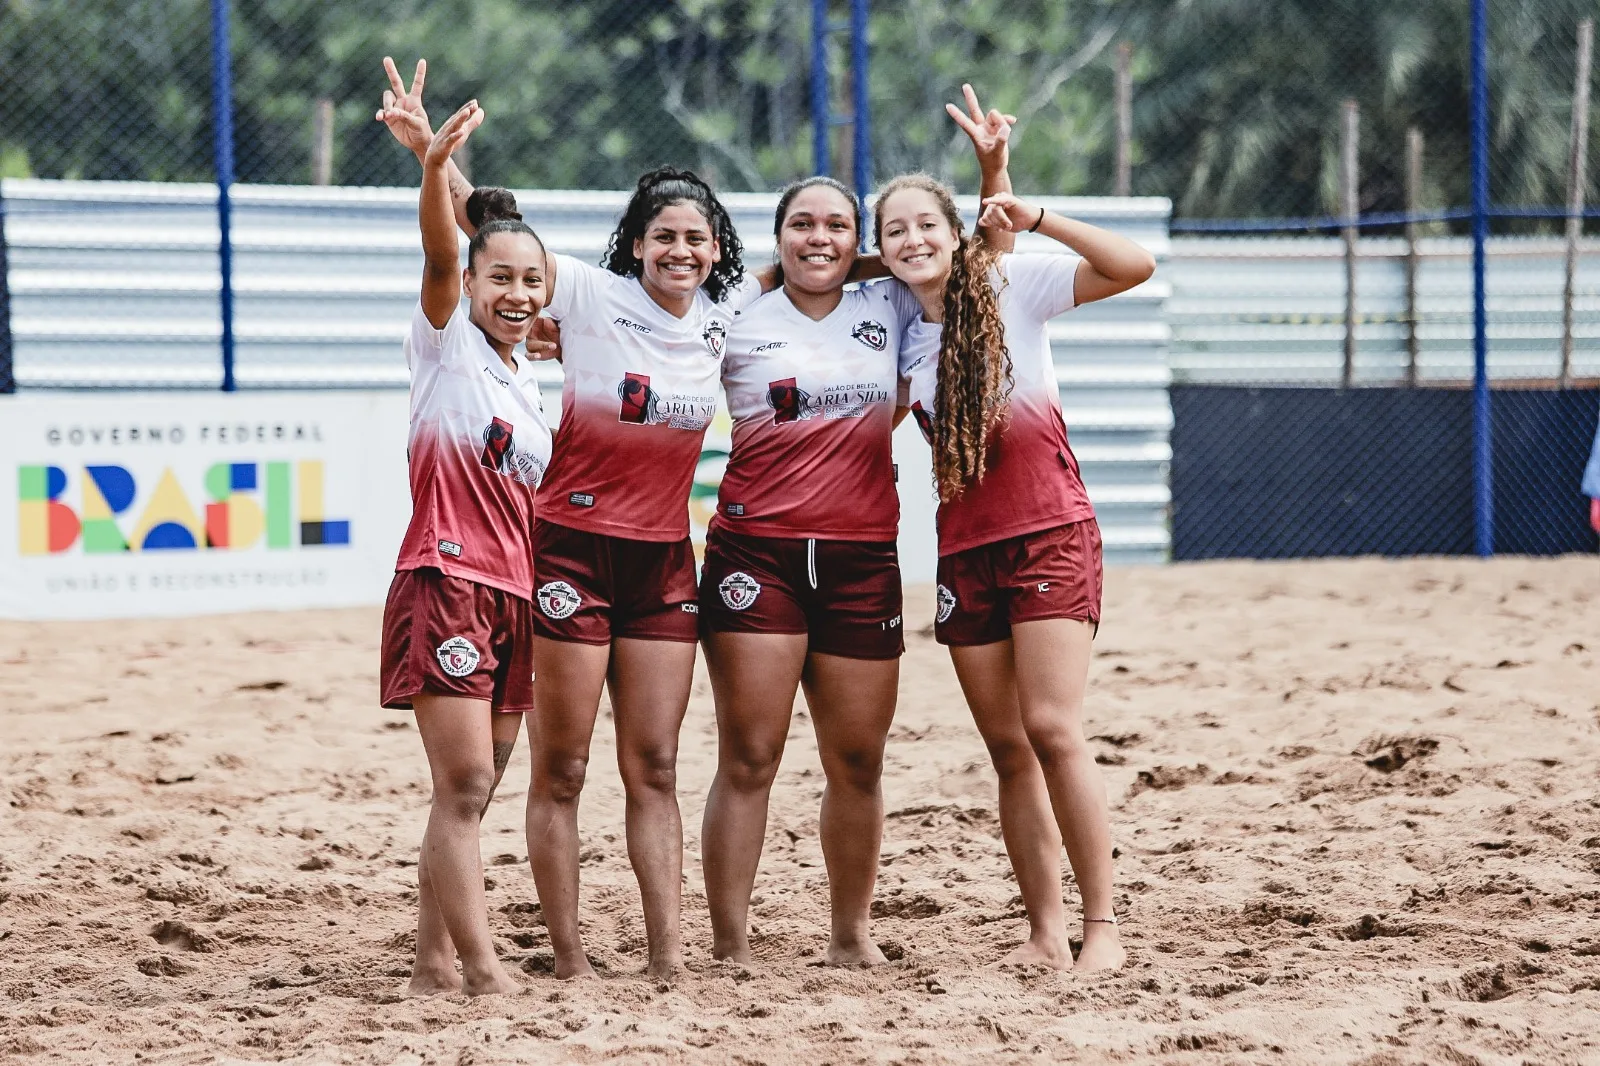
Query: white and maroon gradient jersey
(1032, 481)
(479, 445)
(813, 413)
(640, 390)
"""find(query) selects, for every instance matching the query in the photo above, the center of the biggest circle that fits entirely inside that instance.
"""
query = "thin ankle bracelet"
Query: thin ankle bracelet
(1107, 921)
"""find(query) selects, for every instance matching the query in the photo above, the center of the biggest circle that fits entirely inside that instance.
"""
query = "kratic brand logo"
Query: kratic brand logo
(716, 338)
(789, 402)
(739, 590)
(871, 333)
(946, 601)
(246, 505)
(558, 600)
(627, 323)
(770, 346)
(457, 657)
(500, 454)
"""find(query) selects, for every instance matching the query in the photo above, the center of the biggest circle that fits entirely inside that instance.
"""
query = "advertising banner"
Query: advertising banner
(160, 504)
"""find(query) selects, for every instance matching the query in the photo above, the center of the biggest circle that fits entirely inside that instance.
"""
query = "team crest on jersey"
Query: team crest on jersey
(457, 657)
(739, 590)
(716, 338)
(947, 603)
(789, 402)
(558, 600)
(871, 333)
(639, 401)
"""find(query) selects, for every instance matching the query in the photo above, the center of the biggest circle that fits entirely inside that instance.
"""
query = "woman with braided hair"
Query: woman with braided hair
(1019, 572)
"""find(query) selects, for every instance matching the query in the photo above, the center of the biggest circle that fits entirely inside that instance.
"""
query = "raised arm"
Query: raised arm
(1111, 263)
(441, 253)
(990, 132)
(407, 119)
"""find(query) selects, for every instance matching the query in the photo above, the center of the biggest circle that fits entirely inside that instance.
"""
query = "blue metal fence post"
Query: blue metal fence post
(821, 118)
(8, 378)
(860, 114)
(1482, 445)
(222, 120)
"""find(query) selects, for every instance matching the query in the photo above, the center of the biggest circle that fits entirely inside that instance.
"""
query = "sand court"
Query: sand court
(1354, 802)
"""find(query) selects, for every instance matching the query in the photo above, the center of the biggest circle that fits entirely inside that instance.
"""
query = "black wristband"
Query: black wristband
(1033, 228)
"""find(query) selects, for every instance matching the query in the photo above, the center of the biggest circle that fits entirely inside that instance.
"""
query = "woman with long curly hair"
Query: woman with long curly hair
(1019, 570)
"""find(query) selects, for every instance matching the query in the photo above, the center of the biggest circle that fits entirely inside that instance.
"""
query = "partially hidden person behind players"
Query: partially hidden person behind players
(457, 626)
(1019, 572)
(801, 581)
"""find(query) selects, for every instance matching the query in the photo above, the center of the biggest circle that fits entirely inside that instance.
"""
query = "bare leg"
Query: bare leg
(649, 684)
(852, 706)
(754, 677)
(1027, 823)
(457, 734)
(1052, 665)
(567, 682)
(434, 971)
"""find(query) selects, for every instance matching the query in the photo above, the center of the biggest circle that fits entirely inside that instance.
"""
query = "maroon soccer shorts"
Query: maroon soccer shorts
(589, 588)
(454, 637)
(984, 591)
(844, 594)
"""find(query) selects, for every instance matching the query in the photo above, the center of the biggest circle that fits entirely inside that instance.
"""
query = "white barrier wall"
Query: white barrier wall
(157, 504)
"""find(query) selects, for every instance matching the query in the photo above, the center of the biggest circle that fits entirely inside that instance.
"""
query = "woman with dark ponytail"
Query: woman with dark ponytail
(458, 621)
(1019, 572)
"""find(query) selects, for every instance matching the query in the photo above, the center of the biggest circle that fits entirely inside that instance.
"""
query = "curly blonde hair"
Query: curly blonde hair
(973, 396)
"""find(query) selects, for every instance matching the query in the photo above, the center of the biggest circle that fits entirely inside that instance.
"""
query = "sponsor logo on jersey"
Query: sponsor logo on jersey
(457, 657)
(628, 323)
(558, 600)
(946, 601)
(500, 454)
(690, 608)
(924, 421)
(638, 400)
(739, 590)
(872, 333)
(449, 547)
(716, 338)
(789, 402)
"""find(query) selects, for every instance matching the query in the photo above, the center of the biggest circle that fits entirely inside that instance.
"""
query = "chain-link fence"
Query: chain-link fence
(1280, 117)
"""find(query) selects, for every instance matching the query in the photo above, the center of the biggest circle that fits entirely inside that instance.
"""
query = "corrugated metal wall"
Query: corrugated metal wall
(1271, 310)
(115, 286)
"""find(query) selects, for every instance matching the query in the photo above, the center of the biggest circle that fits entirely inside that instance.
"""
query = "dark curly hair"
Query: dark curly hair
(658, 190)
(493, 210)
(786, 197)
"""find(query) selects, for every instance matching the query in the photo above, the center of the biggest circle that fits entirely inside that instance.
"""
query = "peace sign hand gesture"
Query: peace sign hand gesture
(402, 109)
(453, 134)
(990, 131)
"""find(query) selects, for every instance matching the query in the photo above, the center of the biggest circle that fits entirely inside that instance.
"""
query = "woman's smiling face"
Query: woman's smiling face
(915, 238)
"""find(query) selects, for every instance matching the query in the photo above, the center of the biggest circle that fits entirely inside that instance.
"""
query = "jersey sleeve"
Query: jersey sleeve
(424, 345)
(1042, 283)
(579, 287)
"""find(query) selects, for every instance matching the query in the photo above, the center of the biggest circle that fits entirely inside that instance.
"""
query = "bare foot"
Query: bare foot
(429, 981)
(738, 952)
(1102, 948)
(667, 968)
(1041, 951)
(854, 953)
(495, 983)
(573, 969)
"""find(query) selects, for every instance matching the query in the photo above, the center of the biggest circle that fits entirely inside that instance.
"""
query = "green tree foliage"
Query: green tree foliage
(1236, 101)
